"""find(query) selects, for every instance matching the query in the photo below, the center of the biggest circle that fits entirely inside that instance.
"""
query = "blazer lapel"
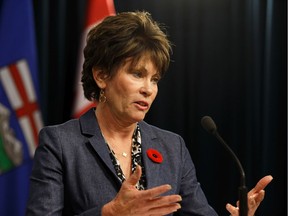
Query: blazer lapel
(90, 128)
(149, 140)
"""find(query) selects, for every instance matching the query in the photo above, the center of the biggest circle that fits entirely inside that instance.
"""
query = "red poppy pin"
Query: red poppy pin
(154, 155)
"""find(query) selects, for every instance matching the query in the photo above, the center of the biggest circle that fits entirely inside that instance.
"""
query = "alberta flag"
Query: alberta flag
(20, 116)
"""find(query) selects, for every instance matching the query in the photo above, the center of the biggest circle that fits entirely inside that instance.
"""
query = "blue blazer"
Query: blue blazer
(74, 175)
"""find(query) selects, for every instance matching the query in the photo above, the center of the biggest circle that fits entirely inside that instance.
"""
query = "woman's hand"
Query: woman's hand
(254, 196)
(130, 201)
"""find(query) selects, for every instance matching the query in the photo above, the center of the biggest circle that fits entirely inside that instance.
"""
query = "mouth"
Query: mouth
(142, 105)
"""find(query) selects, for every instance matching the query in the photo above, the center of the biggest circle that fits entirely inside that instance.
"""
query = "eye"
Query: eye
(155, 79)
(137, 74)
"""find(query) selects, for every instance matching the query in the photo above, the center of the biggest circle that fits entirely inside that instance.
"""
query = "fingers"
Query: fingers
(262, 183)
(255, 200)
(164, 200)
(165, 209)
(148, 202)
(151, 193)
(164, 205)
(130, 201)
(155, 192)
(232, 209)
(160, 205)
(257, 193)
(135, 177)
(257, 197)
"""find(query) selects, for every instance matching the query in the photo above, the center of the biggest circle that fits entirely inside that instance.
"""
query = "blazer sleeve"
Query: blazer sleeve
(46, 195)
(194, 201)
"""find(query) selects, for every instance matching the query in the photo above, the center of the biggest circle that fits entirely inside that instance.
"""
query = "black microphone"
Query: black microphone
(209, 125)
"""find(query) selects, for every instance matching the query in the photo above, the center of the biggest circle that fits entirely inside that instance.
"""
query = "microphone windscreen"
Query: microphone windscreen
(208, 124)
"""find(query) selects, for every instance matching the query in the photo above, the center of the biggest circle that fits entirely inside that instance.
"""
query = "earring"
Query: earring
(102, 97)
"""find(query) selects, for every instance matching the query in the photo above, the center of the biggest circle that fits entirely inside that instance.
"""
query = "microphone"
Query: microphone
(209, 125)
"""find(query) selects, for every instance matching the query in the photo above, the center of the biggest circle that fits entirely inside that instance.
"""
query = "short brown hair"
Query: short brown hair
(116, 38)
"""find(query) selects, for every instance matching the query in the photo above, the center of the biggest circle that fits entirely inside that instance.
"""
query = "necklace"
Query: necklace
(112, 148)
(124, 154)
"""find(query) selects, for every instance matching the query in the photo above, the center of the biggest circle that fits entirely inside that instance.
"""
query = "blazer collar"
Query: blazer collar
(149, 140)
(90, 128)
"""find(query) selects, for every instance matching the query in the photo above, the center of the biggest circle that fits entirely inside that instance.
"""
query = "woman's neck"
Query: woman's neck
(111, 127)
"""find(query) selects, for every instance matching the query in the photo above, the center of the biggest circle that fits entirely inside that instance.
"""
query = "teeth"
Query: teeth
(142, 104)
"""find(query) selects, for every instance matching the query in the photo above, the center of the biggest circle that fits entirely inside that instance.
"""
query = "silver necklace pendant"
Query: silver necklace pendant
(124, 154)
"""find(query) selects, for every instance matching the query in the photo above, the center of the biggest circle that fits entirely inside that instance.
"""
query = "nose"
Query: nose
(148, 88)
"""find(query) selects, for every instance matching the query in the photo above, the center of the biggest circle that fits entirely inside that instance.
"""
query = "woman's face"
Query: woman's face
(131, 91)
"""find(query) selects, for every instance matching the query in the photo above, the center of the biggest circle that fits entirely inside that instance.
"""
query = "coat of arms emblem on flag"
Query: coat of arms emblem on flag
(11, 152)
(19, 89)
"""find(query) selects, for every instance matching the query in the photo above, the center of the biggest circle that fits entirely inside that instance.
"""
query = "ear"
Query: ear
(99, 77)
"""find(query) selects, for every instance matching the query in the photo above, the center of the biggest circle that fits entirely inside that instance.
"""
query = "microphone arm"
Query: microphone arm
(209, 125)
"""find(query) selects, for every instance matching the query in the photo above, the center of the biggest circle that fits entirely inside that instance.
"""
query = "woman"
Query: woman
(109, 161)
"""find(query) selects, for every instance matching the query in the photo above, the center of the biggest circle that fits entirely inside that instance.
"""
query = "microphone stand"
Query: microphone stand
(242, 190)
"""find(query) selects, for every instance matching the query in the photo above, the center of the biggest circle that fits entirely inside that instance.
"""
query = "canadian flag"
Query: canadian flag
(97, 10)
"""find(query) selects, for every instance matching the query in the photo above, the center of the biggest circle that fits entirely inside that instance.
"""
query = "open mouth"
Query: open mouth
(142, 104)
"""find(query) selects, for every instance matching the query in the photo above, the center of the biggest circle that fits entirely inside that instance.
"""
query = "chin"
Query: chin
(139, 118)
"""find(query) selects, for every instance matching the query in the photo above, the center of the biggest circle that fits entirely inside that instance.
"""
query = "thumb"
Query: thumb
(135, 177)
